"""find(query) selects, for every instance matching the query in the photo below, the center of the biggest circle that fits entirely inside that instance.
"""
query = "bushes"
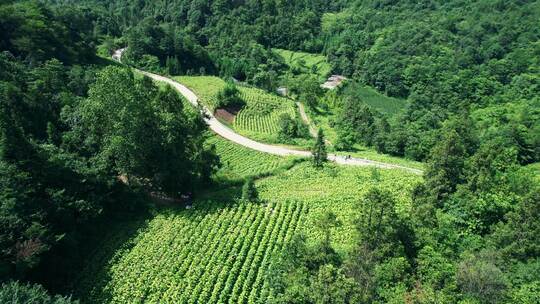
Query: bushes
(15, 292)
(229, 97)
(290, 128)
(249, 192)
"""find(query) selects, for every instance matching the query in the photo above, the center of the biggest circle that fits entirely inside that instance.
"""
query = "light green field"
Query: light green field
(373, 98)
(329, 19)
(221, 250)
(205, 87)
(239, 162)
(259, 119)
(307, 60)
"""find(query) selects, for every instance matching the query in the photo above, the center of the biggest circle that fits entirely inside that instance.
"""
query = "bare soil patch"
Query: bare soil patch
(227, 114)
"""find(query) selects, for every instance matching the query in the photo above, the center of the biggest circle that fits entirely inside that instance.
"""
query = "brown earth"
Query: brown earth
(227, 114)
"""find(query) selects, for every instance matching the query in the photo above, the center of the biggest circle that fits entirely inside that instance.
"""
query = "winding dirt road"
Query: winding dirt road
(225, 132)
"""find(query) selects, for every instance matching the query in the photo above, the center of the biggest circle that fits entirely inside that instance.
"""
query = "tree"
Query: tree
(319, 150)
(446, 166)
(16, 292)
(139, 131)
(229, 97)
(249, 192)
(290, 128)
(480, 278)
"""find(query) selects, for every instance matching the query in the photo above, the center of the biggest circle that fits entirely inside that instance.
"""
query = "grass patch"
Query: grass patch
(329, 19)
(373, 98)
(313, 62)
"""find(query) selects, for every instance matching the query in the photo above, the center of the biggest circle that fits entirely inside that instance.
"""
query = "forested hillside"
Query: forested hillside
(70, 126)
(88, 144)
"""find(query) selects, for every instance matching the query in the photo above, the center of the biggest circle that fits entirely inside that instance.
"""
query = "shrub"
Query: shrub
(249, 192)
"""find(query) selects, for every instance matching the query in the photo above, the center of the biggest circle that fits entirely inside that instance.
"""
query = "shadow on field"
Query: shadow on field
(120, 237)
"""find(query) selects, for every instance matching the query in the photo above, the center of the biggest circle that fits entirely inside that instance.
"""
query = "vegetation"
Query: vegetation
(249, 192)
(319, 150)
(136, 129)
(96, 164)
(380, 102)
(307, 63)
(239, 162)
(169, 260)
(229, 97)
(260, 118)
(14, 292)
(260, 112)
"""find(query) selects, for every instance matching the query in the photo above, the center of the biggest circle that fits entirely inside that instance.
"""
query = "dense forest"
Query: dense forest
(83, 140)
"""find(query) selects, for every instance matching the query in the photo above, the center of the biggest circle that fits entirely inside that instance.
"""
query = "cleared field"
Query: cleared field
(261, 113)
(370, 96)
(205, 87)
(338, 189)
(309, 60)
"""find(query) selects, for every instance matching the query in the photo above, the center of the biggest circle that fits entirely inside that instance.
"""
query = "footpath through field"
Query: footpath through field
(227, 133)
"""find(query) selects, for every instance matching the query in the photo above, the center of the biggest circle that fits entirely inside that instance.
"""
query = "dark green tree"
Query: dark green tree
(319, 150)
(249, 191)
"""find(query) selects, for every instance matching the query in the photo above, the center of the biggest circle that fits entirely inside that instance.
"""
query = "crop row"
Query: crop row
(242, 162)
(209, 254)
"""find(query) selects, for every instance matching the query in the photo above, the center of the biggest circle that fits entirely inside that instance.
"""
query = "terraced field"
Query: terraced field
(262, 111)
(211, 254)
(258, 119)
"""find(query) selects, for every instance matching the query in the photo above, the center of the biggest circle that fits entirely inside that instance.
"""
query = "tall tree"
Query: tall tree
(319, 150)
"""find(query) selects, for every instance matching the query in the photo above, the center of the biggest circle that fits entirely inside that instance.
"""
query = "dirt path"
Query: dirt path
(305, 118)
(312, 130)
(225, 132)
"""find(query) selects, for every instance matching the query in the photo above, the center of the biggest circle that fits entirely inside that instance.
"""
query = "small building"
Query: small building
(283, 91)
(333, 82)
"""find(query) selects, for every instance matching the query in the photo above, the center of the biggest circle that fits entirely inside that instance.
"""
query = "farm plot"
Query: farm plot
(205, 87)
(260, 117)
(210, 254)
(340, 190)
(239, 162)
(220, 252)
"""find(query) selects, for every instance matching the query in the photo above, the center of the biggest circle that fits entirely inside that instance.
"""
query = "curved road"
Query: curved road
(225, 132)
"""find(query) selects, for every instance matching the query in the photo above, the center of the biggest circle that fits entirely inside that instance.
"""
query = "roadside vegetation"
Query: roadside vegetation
(113, 191)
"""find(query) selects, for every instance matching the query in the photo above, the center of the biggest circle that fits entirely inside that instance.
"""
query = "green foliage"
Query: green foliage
(249, 191)
(229, 97)
(172, 260)
(481, 279)
(35, 33)
(380, 102)
(290, 128)
(15, 292)
(165, 47)
(239, 162)
(319, 150)
(305, 63)
(259, 118)
(137, 130)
